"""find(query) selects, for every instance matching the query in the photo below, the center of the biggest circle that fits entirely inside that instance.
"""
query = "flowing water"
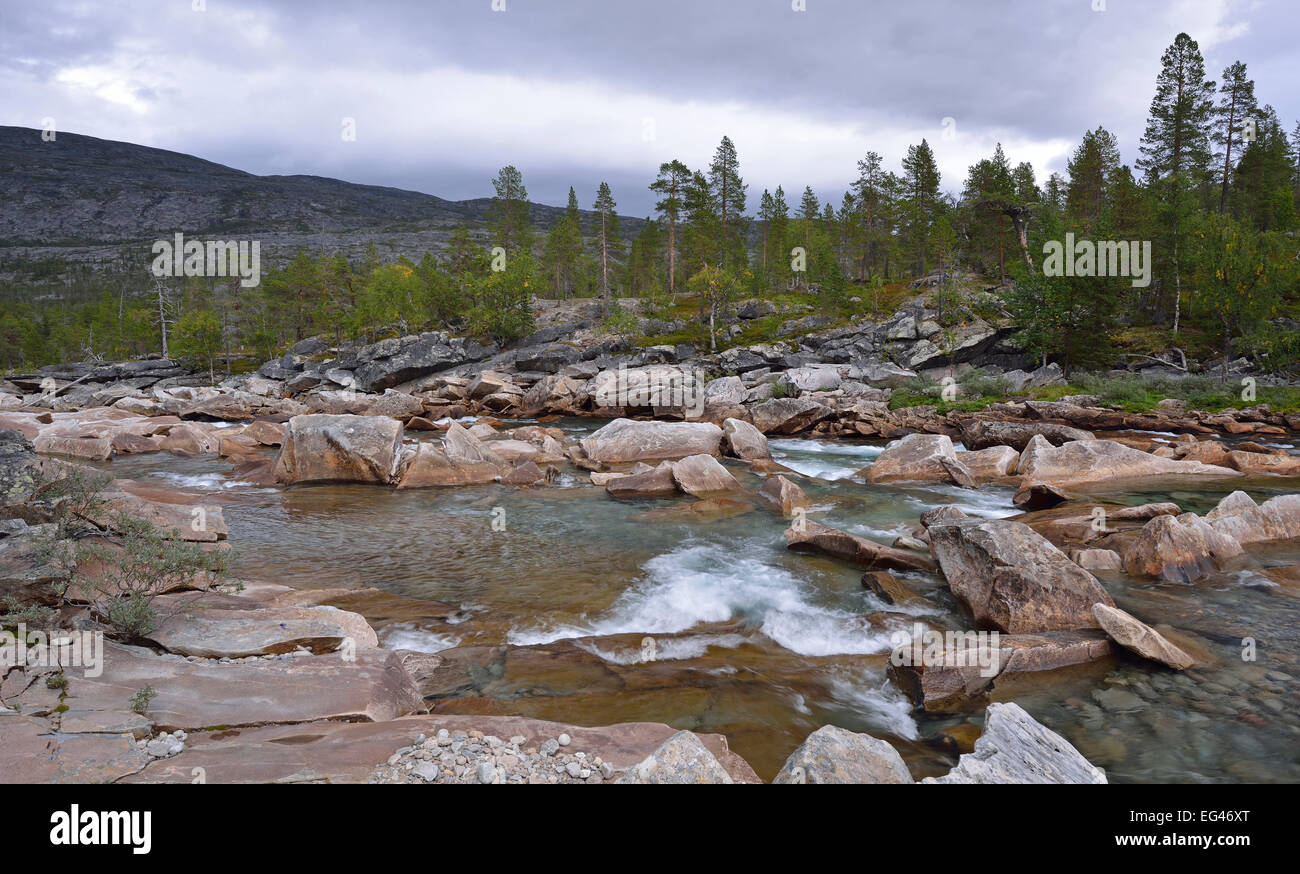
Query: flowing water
(750, 639)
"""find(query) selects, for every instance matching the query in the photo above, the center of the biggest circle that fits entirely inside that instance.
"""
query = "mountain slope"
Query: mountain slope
(79, 191)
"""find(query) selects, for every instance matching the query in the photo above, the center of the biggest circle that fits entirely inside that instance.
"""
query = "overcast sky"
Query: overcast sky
(443, 92)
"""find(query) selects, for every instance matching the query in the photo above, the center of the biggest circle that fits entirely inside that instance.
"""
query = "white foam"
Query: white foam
(406, 635)
(667, 649)
(870, 695)
(208, 481)
(823, 459)
(706, 583)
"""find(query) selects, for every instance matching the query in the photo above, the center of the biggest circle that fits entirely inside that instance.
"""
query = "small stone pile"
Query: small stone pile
(479, 758)
(165, 745)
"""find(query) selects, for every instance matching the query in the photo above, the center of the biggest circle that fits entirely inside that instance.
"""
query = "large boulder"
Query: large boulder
(396, 405)
(28, 574)
(325, 448)
(782, 496)
(742, 440)
(431, 467)
(1013, 579)
(657, 386)
(683, 758)
(1274, 463)
(89, 448)
(996, 462)
(391, 362)
(1179, 549)
(627, 440)
(1239, 517)
(244, 633)
(836, 755)
(702, 475)
(981, 434)
(1091, 462)
(372, 687)
(656, 483)
(19, 467)
(1016, 748)
(788, 415)
(810, 378)
(914, 457)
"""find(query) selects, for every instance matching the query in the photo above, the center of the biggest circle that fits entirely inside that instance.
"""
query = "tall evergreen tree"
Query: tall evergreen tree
(921, 180)
(608, 230)
(1176, 146)
(563, 245)
(674, 176)
(1091, 169)
(728, 191)
(1236, 106)
(508, 213)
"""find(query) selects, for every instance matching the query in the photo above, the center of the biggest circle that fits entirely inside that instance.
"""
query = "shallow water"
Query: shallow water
(751, 640)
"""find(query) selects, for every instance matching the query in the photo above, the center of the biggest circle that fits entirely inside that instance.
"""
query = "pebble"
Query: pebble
(475, 757)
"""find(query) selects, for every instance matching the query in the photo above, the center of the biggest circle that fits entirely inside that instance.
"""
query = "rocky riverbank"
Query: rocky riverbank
(254, 681)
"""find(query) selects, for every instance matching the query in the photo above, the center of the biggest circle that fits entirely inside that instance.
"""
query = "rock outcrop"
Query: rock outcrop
(1011, 578)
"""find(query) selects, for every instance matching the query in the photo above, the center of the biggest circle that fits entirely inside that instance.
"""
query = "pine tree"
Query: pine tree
(1176, 145)
(921, 180)
(703, 224)
(508, 213)
(1236, 106)
(674, 176)
(728, 191)
(871, 197)
(766, 212)
(1091, 169)
(604, 207)
(809, 207)
(1263, 193)
(563, 245)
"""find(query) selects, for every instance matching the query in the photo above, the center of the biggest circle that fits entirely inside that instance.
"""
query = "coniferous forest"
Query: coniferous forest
(1214, 191)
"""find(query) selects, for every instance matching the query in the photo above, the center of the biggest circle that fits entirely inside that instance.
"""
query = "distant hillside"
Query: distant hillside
(96, 201)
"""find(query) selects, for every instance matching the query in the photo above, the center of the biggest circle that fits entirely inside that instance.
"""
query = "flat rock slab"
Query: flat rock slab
(32, 752)
(806, 536)
(1092, 462)
(1134, 634)
(969, 670)
(335, 752)
(193, 695)
(244, 634)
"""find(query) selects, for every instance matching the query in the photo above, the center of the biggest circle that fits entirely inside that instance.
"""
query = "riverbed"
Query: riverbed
(751, 640)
